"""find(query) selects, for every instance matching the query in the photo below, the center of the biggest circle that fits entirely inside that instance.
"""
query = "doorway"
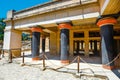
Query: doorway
(79, 47)
(86, 43)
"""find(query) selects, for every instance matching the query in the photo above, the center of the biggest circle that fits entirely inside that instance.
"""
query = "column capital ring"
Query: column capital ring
(106, 21)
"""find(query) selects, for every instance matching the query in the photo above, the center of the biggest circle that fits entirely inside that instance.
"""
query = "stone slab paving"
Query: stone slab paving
(14, 71)
(33, 70)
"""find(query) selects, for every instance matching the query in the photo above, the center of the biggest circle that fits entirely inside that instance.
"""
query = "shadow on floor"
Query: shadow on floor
(90, 59)
(116, 72)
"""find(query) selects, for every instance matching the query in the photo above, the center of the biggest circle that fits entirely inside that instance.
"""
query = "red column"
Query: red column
(35, 42)
(107, 49)
(64, 34)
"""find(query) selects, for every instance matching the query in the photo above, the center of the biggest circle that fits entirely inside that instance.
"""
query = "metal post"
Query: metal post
(22, 64)
(80, 2)
(43, 61)
(23, 58)
(43, 50)
(2, 52)
(78, 61)
(10, 56)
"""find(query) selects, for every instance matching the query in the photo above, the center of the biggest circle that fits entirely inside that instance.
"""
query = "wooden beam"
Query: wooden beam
(110, 7)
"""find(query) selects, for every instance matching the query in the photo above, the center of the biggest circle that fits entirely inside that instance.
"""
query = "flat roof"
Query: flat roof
(36, 6)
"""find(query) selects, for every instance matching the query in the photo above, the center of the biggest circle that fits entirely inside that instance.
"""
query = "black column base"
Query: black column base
(108, 67)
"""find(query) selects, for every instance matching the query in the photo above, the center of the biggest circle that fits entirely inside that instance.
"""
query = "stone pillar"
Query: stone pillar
(71, 43)
(91, 45)
(64, 34)
(86, 43)
(53, 43)
(78, 46)
(12, 40)
(82, 45)
(43, 44)
(35, 42)
(95, 47)
(106, 30)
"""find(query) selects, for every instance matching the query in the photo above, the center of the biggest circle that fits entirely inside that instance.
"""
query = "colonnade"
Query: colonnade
(106, 31)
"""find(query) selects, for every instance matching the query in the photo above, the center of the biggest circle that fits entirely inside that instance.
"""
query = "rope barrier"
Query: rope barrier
(105, 64)
(67, 64)
(64, 66)
(50, 61)
(113, 59)
(83, 61)
(87, 62)
(60, 66)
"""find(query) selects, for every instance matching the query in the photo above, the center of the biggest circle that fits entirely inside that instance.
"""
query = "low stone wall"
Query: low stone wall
(16, 53)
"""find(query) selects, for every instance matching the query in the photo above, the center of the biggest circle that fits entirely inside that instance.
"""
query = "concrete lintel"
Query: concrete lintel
(72, 18)
(39, 26)
(47, 30)
(12, 30)
(66, 21)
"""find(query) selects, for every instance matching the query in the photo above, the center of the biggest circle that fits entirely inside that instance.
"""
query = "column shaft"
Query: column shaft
(107, 44)
(64, 44)
(64, 34)
(35, 45)
(95, 47)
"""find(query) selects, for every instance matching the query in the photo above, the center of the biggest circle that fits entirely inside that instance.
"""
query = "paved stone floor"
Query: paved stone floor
(33, 70)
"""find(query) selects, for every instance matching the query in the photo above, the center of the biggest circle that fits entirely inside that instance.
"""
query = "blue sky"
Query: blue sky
(6, 5)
